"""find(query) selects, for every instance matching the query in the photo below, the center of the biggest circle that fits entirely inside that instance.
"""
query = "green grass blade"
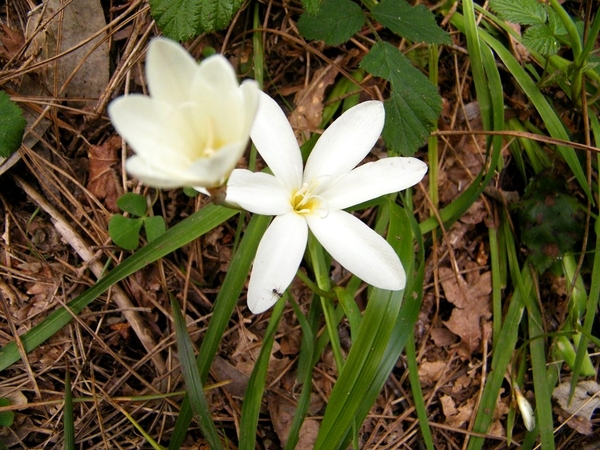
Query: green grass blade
(258, 379)
(69, 416)
(369, 352)
(225, 302)
(184, 232)
(415, 388)
(504, 347)
(551, 119)
(191, 376)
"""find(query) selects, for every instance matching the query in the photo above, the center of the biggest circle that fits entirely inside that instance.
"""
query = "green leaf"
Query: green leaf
(125, 232)
(193, 381)
(414, 23)
(330, 24)
(176, 18)
(12, 126)
(311, 6)
(154, 226)
(6, 417)
(215, 14)
(540, 39)
(524, 12)
(414, 104)
(134, 204)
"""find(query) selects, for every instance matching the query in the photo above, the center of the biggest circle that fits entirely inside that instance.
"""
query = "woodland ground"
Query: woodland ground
(71, 172)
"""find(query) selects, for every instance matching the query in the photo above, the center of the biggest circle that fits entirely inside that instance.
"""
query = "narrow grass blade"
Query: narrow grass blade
(258, 379)
(69, 416)
(191, 376)
(225, 302)
(417, 393)
(184, 232)
(369, 353)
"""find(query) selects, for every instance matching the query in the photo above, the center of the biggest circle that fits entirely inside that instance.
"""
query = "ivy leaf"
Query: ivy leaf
(414, 104)
(176, 18)
(12, 126)
(540, 39)
(328, 24)
(414, 23)
(524, 12)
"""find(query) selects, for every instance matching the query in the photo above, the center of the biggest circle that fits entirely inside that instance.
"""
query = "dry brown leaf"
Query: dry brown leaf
(223, 371)
(282, 413)
(472, 304)
(309, 102)
(103, 181)
(463, 414)
(11, 42)
(586, 399)
(430, 372)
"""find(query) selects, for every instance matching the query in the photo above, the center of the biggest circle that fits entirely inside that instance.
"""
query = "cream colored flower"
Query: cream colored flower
(314, 197)
(194, 126)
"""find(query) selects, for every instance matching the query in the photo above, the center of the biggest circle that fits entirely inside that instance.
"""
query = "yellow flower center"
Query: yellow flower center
(304, 201)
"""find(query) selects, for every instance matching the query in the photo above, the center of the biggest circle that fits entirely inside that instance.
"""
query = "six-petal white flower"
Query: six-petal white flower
(194, 126)
(315, 199)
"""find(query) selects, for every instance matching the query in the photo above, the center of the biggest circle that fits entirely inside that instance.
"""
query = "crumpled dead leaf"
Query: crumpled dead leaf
(103, 181)
(586, 399)
(472, 304)
(309, 102)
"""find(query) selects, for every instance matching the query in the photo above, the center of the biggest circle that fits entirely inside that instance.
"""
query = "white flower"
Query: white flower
(194, 126)
(316, 198)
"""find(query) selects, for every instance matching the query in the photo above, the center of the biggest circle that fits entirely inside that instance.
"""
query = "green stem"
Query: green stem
(321, 270)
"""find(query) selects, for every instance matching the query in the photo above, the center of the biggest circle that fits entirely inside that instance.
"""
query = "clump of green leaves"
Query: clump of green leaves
(125, 231)
(414, 103)
(543, 28)
(12, 126)
(551, 220)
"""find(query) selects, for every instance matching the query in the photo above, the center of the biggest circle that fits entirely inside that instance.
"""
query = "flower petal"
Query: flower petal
(170, 70)
(276, 143)
(150, 175)
(259, 193)
(143, 123)
(373, 180)
(359, 249)
(277, 260)
(346, 141)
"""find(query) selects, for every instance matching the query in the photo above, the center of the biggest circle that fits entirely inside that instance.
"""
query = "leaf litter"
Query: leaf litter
(40, 269)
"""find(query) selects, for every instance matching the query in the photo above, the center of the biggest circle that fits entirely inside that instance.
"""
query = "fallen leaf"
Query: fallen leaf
(309, 102)
(585, 401)
(103, 181)
(472, 304)
(430, 372)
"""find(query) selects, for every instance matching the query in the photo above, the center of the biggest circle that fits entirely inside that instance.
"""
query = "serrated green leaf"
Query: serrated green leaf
(330, 25)
(311, 6)
(154, 226)
(12, 126)
(133, 204)
(177, 19)
(6, 417)
(414, 23)
(125, 232)
(524, 12)
(215, 14)
(540, 39)
(414, 104)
